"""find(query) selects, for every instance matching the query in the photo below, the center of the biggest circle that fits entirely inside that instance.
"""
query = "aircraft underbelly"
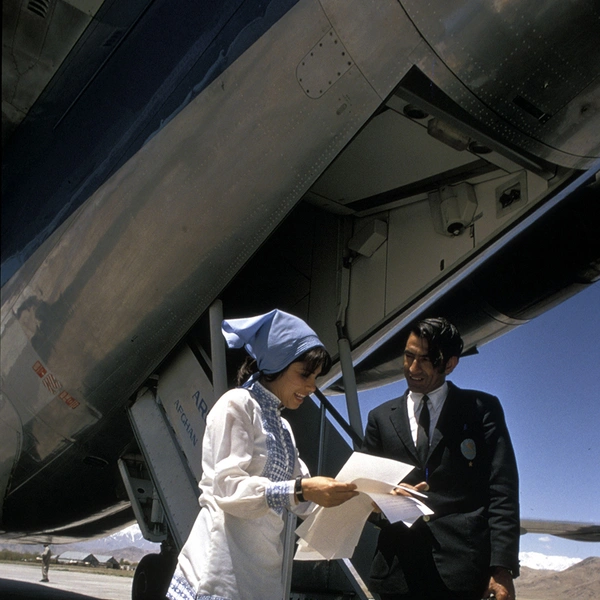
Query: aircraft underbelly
(539, 80)
(125, 278)
(314, 111)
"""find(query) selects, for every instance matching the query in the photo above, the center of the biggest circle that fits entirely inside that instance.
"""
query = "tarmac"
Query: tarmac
(22, 582)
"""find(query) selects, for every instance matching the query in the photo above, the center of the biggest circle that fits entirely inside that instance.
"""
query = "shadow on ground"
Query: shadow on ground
(22, 590)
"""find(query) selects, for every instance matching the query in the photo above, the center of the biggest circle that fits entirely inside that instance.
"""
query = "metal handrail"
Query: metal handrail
(360, 588)
(354, 435)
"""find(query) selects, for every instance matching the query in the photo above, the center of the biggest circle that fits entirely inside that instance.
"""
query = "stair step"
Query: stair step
(322, 596)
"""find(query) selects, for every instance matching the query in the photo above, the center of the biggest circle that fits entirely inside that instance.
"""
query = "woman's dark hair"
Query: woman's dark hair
(443, 340)
(313, 359)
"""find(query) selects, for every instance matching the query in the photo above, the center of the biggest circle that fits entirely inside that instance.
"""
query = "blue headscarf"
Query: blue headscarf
(274, 340)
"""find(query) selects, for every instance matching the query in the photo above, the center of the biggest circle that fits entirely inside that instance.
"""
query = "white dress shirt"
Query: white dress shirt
(414, 405)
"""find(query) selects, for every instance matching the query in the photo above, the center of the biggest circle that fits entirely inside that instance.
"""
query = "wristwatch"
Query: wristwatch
(298, 489)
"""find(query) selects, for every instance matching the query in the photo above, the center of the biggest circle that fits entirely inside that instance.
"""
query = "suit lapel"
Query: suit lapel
(447, 422)
(401, 423)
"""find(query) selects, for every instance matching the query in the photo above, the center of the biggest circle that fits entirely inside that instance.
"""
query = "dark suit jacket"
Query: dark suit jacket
(473, 480)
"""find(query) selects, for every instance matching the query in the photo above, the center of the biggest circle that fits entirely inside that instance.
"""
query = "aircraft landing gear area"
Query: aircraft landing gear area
(152, 577)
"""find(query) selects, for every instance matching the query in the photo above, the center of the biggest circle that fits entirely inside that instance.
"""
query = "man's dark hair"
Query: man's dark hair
(443, 339)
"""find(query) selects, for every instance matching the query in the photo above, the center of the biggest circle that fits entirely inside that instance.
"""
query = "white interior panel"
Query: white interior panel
(367, 292)
(391, 151)
(416, 252)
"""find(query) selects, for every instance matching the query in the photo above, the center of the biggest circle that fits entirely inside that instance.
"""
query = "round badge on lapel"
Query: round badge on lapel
(468, 449)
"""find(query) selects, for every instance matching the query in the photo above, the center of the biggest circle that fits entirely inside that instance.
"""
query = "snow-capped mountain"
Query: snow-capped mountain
(129, 543)
(537, 560)
(126, 544)
(129, 537)
(577, 582)
(132, 536)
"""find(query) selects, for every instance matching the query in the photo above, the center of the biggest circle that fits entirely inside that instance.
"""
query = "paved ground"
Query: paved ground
(22, 582)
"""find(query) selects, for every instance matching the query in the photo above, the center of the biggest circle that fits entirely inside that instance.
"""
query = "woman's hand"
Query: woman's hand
(327, 491)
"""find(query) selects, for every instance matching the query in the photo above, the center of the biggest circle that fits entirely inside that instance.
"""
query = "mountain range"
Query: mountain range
(542, 577)
(127, 544)
(580, 581)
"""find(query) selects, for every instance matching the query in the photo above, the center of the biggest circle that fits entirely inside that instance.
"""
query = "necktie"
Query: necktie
(423, 432)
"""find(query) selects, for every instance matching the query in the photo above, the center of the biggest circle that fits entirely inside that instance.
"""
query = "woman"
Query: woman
(251, 468)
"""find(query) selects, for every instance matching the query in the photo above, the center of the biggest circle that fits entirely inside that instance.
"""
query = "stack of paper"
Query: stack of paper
(330, 533)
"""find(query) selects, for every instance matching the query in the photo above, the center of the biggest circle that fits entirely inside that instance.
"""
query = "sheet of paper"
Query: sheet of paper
(330, 533)
(401, 508)
(305, 552)
(372, 486)
(361, 465)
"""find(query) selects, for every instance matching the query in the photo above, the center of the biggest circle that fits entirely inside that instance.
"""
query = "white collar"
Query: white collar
(436, 397)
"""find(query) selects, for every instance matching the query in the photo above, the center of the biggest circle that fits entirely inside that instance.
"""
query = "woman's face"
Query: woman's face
(293, 385)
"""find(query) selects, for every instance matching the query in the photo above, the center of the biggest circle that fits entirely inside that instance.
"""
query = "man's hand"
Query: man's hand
(501, 585)
(403, 489)
(327, 491)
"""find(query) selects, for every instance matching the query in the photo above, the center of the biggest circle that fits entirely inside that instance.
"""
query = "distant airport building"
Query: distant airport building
(77, 558)
(88, 560)
(110, 562)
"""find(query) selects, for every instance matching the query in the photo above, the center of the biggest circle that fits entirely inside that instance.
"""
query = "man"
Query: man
(468, 549)
(46, 555)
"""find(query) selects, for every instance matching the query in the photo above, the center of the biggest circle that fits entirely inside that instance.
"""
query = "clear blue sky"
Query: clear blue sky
(546, 375)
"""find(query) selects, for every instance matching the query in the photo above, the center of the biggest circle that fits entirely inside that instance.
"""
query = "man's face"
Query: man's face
(421, 376)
